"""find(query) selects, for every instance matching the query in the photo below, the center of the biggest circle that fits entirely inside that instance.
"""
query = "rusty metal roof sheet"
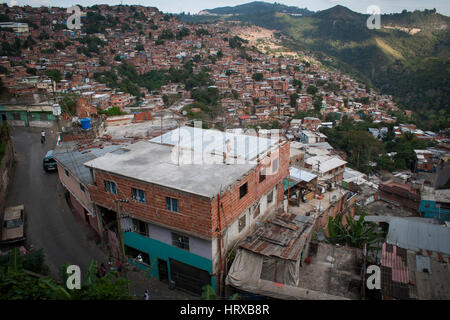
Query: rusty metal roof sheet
(283, 237)
(394, 272)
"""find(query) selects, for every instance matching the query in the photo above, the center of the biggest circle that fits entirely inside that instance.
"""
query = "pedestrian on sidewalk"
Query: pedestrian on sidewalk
(146, 295)
(111, 266)
(42, 136)
(118, 265)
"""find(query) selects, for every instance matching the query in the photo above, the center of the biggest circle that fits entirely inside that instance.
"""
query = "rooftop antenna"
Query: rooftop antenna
(161, 125)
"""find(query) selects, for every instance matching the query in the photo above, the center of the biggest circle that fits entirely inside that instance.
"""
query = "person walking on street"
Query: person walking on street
(111, 266)
(42, 136)
(146, 295)
(118, 265)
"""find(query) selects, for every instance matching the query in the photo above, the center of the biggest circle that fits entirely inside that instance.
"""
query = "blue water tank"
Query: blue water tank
(85, 123)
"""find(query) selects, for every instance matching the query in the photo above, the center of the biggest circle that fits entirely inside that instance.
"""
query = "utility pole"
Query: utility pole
(119, 227)
(219, 245)
(289, 185)
(98, 215)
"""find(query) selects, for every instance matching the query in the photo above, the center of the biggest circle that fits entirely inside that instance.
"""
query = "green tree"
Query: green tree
(59, 45)
(293, 100)
(54, 75)
(166, 34)
(16, 283)
(312, 90)
(333, 116)
(356, 233)
(298, 84)
(258, 77)
(208, 293)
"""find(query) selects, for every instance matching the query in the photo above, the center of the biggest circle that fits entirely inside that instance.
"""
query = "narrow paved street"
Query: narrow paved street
(50, 223)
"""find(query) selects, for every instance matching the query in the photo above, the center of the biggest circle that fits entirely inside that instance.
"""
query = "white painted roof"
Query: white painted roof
(213, 141)
(326, 163)
(158, 164)
(301, 175)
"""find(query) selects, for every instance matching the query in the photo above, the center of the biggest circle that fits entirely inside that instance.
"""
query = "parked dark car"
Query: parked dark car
(49, 162)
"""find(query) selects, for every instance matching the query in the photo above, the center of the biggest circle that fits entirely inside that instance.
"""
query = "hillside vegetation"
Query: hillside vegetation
(409, 57)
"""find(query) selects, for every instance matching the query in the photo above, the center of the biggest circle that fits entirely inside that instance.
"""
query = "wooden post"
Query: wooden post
(119, 226)
(99, 223)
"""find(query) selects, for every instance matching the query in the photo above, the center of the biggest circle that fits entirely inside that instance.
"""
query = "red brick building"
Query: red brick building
(85, 109)
(209, 204)
(401, 194)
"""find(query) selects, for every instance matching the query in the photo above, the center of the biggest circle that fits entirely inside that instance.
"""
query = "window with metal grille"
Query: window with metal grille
(139, 256)
(172, 204)
(140, 227)
(138, 195)
(110, 187)
(180, 241)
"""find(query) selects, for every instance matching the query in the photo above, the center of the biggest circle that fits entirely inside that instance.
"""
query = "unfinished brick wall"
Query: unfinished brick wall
(197, 215)
(81, 212)
(193, 214)
(400, 194)
(78, 136)
(233, 205)
(339, 207)
(73, 186)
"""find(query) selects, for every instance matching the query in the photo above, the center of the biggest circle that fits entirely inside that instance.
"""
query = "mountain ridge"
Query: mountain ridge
(408, 57)
(257, 7)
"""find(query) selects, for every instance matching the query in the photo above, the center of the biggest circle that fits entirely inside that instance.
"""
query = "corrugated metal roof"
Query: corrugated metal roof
(69, 156)
(416, 235)
(395, 258)
(394, 272)
(283, 237)
(301, 175)
(423, 263)
(325, 163)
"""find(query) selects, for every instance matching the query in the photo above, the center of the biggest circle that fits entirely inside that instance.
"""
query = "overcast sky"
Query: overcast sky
(194, 6)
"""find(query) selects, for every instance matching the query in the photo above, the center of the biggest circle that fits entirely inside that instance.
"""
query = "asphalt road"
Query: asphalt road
(50, 223)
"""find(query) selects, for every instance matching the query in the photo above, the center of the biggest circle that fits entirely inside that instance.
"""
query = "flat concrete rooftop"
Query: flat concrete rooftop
(207, 141)
(316, 206)
(158, 164)
(333, 270)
